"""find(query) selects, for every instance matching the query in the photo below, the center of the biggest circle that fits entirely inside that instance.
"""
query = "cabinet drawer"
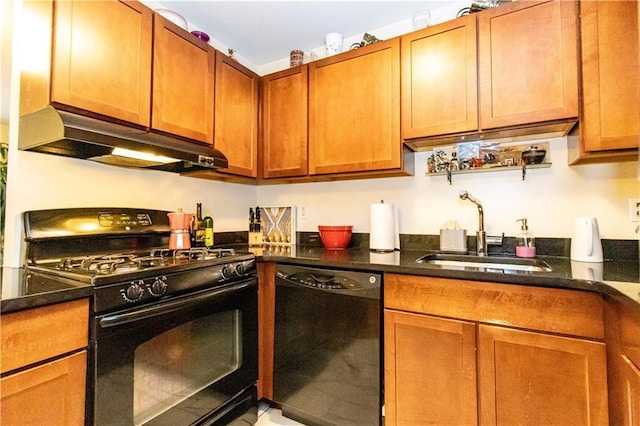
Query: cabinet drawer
(552, 310)
(51, 394)
(38, 334)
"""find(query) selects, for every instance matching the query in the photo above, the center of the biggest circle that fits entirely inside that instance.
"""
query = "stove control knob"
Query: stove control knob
(228, 271)
(159, 286)
(134, 292)
(240, 271)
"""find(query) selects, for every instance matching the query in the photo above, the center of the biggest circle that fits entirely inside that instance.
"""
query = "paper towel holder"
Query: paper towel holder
(384, 230)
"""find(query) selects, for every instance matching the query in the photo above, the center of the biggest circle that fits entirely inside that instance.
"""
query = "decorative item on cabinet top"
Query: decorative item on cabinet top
(470, 157)
(278, 225)
(480, 5)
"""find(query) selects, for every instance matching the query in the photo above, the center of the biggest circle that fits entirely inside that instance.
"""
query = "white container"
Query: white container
(592, 271)
(421, 19)
(586, 245)
(333, 43)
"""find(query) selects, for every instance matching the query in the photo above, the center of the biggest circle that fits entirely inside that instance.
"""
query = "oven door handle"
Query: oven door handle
(168, 307)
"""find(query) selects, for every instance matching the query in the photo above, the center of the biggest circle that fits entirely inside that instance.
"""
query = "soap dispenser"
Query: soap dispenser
(525, 241)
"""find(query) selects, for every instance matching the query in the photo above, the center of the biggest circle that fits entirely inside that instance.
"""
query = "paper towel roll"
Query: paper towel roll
(383, 235)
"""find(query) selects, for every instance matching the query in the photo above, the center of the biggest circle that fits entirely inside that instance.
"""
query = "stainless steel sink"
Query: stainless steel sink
(485, 263)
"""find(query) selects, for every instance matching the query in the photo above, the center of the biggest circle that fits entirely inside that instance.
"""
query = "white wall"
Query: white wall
(549, 198)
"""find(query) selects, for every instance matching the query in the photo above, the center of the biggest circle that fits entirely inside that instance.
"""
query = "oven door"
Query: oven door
(191, 359)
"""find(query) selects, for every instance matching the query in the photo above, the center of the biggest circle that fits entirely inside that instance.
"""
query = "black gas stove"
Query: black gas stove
(123, 253)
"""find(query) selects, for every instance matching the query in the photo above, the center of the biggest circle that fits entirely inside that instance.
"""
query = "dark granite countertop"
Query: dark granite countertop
(19, 293)
(620, 279)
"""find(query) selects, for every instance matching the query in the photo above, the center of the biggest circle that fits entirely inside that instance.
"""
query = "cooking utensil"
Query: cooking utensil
(179, 223)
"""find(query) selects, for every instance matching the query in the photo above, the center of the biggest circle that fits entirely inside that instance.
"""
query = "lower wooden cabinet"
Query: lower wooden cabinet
(430, 370)
(51, 394)
(450, 359)
(43, 352)
(630, 374)
(623, 360)
(529, 378)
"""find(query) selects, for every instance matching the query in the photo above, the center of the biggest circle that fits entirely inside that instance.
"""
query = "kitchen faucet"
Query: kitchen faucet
(481, 235)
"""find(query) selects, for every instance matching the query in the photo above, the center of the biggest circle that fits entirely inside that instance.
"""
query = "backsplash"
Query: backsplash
(620, 250)
(550, 198)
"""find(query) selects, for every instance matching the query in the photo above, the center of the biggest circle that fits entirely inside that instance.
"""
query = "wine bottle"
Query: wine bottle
(208, 230)
(199, 226)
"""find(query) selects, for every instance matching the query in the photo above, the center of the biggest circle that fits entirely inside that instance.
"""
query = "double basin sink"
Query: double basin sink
(485, 263)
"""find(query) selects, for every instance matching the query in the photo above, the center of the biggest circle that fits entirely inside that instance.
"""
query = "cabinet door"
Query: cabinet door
(631, 397)
(284, 125)
(610, 77)
(183, 79)
(236, 118)
(354, 110)
(51, 394)
(102, 58)
(430, 370)
(439, 79)
(26, 337)
(528, 378)
(528, 63)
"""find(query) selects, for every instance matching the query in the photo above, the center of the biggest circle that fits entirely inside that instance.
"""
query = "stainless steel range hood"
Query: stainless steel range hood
(63, 133)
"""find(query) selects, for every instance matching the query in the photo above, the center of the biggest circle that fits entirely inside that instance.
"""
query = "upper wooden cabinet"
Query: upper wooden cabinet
(610, 110)
(354, 111)
(236, 117)
(528, 63)
(101, 58)
(439, 79)
(183, 82)
(284, 123)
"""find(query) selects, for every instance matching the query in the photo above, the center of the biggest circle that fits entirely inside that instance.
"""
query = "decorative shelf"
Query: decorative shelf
(523, 167)
(486, 156)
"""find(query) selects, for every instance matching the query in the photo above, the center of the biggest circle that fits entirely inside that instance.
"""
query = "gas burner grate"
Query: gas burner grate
(109, 264)
(196, 253)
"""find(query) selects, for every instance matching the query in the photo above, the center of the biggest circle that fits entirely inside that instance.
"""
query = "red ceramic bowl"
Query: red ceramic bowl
(335, 237)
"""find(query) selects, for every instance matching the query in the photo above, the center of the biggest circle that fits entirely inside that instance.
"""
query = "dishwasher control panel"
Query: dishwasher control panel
(329, 279)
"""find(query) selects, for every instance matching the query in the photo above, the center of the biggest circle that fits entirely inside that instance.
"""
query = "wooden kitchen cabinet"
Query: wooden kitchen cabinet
(47, 349)
(285, 123)
(431, 374)
(183, 82)
(439, 79)
(623, 359)
(236, 117)
(93, 57)
(610, 109)
(266, 327)
(539, 379)
(354, 111)
(528, 63)
(540, 369)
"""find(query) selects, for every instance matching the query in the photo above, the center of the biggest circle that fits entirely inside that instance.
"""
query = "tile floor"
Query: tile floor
(269, 416)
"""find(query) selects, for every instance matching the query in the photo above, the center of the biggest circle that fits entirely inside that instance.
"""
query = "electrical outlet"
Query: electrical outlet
(634, 209)
(303, 212)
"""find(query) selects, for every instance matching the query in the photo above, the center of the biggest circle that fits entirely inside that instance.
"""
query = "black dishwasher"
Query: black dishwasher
(327, 355)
